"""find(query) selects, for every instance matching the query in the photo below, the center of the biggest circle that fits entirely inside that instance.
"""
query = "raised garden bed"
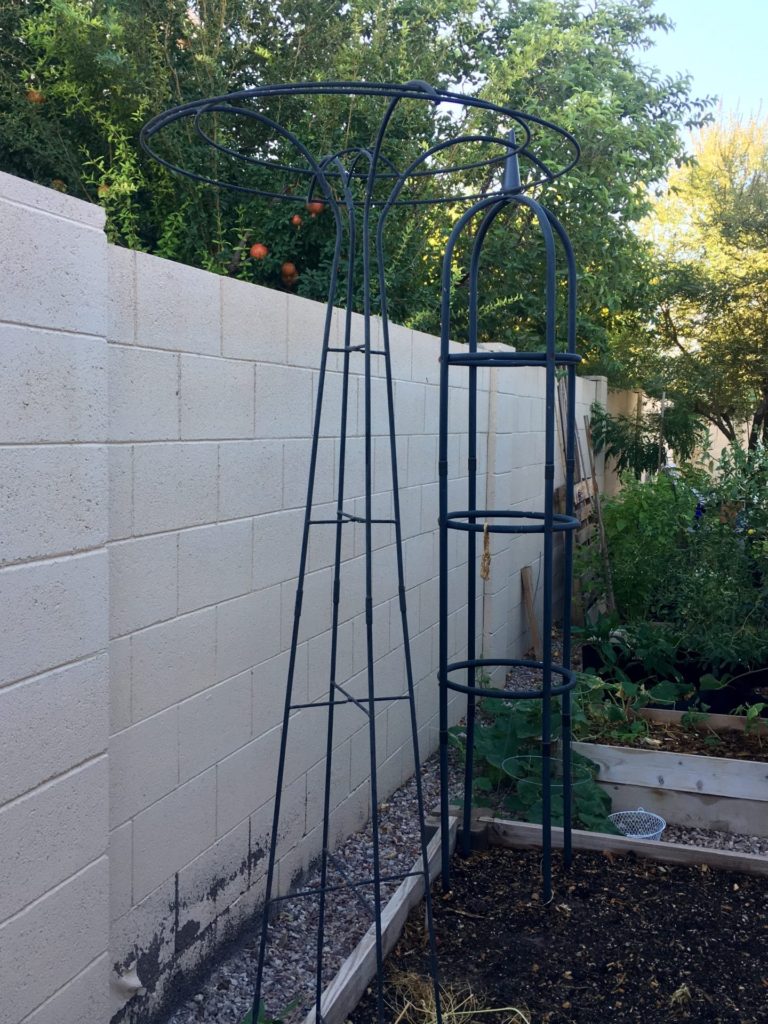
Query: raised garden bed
(626, 939)
(637, 931)
(713, 735)
(715, 792)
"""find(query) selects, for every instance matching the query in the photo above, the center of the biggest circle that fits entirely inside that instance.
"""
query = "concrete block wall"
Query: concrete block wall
(156, 446)
(54, 690)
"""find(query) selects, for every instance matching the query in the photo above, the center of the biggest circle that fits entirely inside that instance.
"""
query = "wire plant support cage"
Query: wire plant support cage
(557, 679)
(239, 142)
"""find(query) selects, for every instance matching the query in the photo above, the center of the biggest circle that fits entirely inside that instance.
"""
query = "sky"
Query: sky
(723, 44)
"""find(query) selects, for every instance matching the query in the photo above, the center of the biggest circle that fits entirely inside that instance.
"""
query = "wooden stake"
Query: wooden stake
(530, 611)
(609, 598)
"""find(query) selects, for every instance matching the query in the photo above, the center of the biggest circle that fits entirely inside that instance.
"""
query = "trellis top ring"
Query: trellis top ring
(482, 148)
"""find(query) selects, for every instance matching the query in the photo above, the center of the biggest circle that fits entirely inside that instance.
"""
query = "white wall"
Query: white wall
(54, 785)
(156, 442)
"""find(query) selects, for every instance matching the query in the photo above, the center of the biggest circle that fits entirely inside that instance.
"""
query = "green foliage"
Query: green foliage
(262, 1018)
(704, 339)
(752, 713)
(689, 564)
(645, 443)
(647, 527)
(102, 67)
(508, 771)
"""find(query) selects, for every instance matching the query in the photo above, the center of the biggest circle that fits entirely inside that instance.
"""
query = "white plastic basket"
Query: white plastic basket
(639, 824)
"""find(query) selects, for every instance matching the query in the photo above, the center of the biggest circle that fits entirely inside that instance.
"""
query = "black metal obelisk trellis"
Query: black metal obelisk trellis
(247, 148)
(473, 520)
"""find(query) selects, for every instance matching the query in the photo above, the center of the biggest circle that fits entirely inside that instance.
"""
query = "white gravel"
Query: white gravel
(288, 988)
(715, 840)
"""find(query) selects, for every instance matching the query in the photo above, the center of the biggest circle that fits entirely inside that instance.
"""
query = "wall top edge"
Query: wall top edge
(48, 200)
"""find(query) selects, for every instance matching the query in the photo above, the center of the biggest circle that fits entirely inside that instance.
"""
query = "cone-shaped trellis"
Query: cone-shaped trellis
(240, 142)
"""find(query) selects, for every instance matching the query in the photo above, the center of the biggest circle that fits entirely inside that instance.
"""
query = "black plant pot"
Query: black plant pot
(746, 687)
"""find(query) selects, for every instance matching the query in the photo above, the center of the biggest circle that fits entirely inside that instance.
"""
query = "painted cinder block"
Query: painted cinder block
(75, 282)
(216, 398)
(53, 500)
(121, 307)
(422, 459)
(250, 478)
(119, 670)
(84, 998)
(316, 606)
(340, 775)
(401, 351)
(307, 738)
(269, 686)
(62, 603)
(174, 485)
(306, 325)
(283, 401)
(213, 881)
(319, 657)
(177, 307)
(51, 833)
(214, 564)
(213, 724)
(425, 366)
(172, 832)
(53, 387)
(49, 201)
(120, 471)
(145, 936)
(246, 779)
(172, 661)
(143, 764)
(143, 394)
(254, 321)
(247, 632)
(142, 582)
(120, 852)
(333, 403)
(71, 923)
(68, 708)
(296, 460)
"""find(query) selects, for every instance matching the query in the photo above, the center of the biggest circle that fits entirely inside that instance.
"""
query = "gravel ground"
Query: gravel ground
(714, 840)
(289, 971)
(289, 974)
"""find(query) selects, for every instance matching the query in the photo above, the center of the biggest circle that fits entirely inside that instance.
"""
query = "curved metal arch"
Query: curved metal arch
(549, 228)
(226, 104)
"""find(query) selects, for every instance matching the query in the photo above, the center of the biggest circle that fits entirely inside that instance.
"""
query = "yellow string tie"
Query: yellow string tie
(485, 561)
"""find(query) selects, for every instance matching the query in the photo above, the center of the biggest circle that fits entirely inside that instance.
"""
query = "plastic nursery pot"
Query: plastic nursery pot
(750, 688)
(526, 770)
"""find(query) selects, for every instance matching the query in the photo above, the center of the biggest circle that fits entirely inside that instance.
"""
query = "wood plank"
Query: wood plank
(693, 810)
(610, 601)
(526, 578)
(356, 973)
(585, 533)
(716, 723)
(523, 835)
(690, 773)
(582, 492)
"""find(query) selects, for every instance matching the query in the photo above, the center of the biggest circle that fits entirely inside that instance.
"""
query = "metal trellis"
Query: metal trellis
(246, 146)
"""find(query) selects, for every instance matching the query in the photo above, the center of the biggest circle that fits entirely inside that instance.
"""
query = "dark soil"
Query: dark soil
(624, 941)
(734, 743)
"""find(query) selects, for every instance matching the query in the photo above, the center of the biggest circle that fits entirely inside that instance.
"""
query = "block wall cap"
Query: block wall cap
(48, 200)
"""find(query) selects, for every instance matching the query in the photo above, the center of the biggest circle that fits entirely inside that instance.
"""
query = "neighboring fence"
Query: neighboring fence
(155, 423)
